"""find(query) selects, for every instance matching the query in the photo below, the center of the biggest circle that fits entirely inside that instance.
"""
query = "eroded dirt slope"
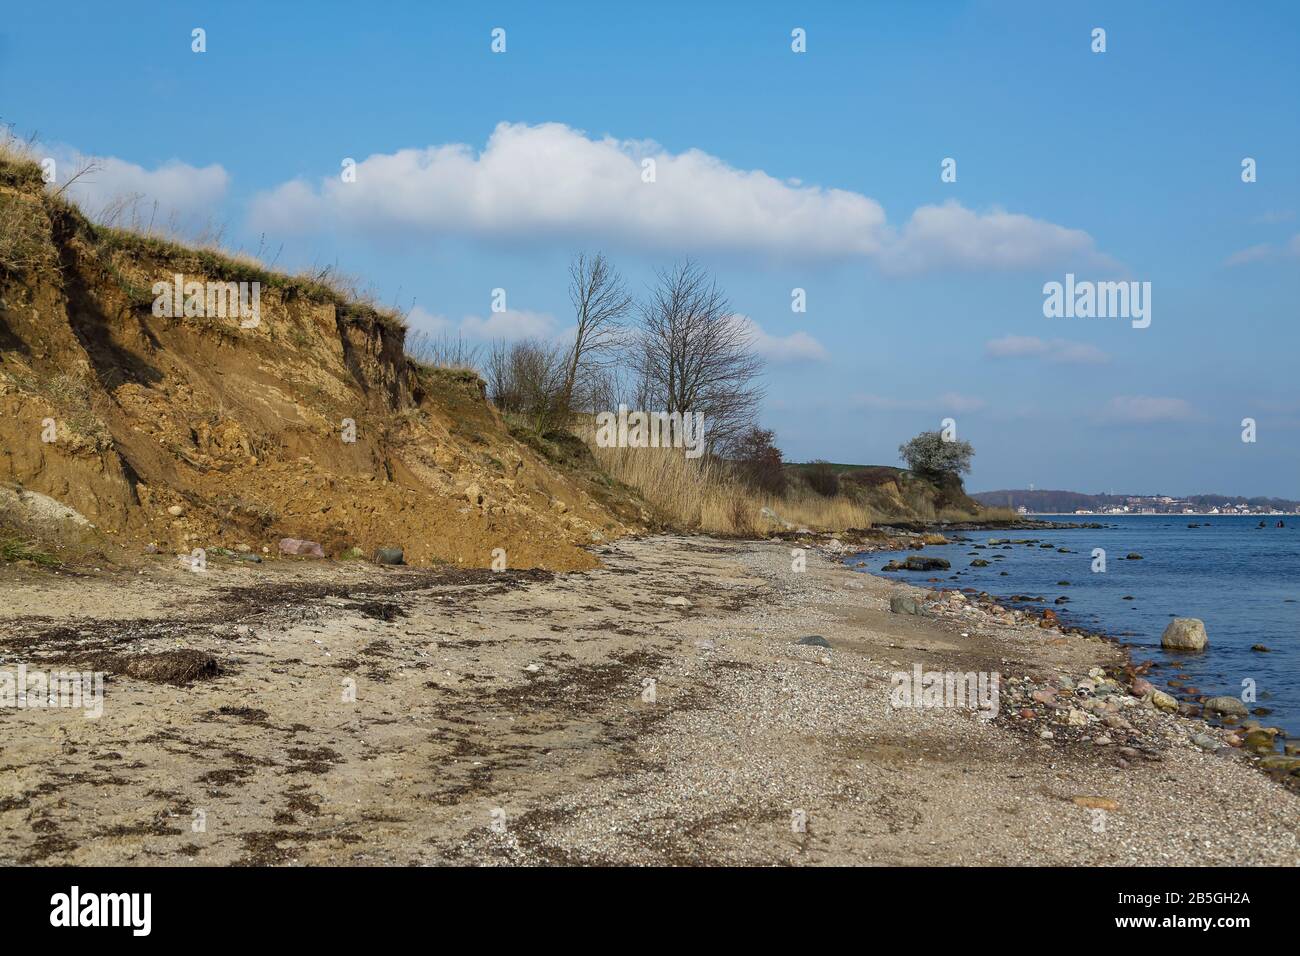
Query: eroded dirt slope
(129, 417)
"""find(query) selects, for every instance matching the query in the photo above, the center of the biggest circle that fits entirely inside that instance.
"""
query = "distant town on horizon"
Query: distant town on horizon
(1033, 501)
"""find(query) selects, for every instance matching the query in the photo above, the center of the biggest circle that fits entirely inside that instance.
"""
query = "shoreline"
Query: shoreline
(1188, 705)
(528, 693)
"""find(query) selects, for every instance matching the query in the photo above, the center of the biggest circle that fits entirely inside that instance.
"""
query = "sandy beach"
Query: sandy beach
(655, 710)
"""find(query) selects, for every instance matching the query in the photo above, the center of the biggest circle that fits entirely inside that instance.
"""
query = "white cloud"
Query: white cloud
(1060, 351)
(954, 237)
(178, 189)
(509, 325)
(1266, 252)
(795, 347)
(1145, 409)
(421, 318)
(549, 180)
(948, 403)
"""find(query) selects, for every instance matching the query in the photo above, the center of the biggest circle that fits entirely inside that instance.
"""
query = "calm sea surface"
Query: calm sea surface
(1242, 580)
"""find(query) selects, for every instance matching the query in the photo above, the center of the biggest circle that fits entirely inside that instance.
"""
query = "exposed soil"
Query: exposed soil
(122, 428)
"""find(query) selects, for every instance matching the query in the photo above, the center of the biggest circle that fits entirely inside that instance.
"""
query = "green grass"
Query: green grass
(16, 549)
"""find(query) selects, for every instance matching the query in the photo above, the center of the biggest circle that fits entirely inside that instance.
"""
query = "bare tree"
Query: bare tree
(600, 302)
(523, 380)
(694, 354)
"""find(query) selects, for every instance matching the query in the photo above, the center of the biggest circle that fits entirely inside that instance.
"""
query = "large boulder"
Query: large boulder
(917, 563)
(301, 547)
(1225, 705)
(1184, 634)
(903, 604)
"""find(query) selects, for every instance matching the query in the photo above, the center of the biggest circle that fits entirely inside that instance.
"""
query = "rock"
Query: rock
(771, 515)
(917, 563)
(353, 554)
(1259, 648)
(301, 548)
(678, 601)
(1205, 742)
(251, 558)
(1163, 701)
(814, 640)
(979, 563)
(1184, 634)
(151, 549)
(390, 556)
(473, 494)
(1044, 697)
(1095, 803)
(1260, 741)
(1116, 722)
(558, 506)
(1076, 718)
(1225, 705)
(176, 511)
(1279, 762)
(903, 604)
(1132, 556)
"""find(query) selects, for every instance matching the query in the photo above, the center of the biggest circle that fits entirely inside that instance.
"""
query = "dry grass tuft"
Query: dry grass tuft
(701, 494)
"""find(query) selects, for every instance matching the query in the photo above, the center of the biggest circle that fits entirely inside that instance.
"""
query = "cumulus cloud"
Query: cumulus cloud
(178, 189)
(1060, 351)
(549, 180)
(796, 347)
(948, 403)
(1145, 409)
(951, 236)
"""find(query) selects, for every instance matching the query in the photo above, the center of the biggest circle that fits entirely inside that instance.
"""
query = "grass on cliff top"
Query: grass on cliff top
(136, 237)
(326, 285)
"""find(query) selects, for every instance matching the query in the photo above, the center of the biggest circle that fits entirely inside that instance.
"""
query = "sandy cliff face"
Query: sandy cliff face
(308, 423)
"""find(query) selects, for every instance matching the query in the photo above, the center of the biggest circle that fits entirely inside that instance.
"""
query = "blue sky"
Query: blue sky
(777, 170)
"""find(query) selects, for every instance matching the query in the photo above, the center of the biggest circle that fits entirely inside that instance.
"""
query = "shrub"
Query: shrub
(526, 380)
(823, 479)
(442, 350)
(928, 454)
(757, 461)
